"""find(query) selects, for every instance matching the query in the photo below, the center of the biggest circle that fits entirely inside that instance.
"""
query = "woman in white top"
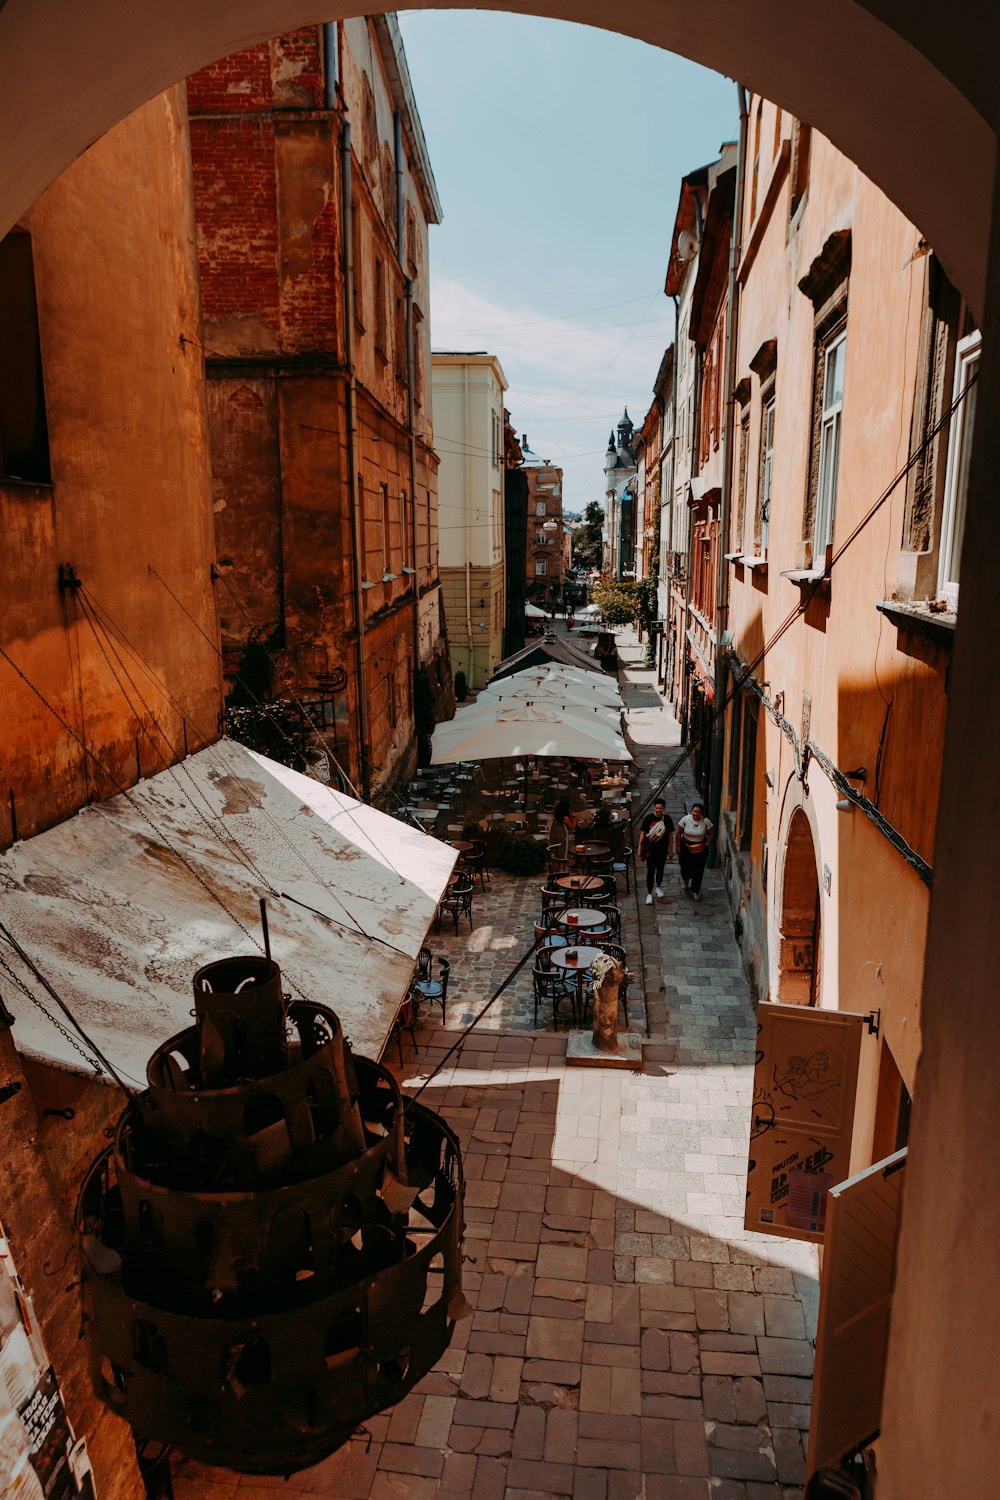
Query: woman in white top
(694, 834)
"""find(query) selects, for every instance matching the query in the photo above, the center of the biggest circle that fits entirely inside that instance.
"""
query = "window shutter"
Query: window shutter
(859, 1267)
(804, 1084)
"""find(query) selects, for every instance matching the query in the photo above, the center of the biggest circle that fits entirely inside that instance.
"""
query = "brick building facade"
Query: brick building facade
(310, 169)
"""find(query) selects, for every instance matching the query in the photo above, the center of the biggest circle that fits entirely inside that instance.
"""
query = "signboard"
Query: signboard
(859, 1269)
(804, 1084)
(39, 1456)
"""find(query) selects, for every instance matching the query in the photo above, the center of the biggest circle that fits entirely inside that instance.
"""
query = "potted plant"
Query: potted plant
(461, 686)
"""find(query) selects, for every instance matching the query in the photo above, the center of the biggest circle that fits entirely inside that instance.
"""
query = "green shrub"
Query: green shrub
(521, 856)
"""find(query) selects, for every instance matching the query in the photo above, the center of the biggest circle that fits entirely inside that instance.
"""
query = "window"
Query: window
(748, 769)
(801, 141)
(418, 357)
(735, 720)
(833, 357)
(386, 541)
(742, 480)
(763, 516)
(540, 538)
(957, 480)
(826, 286)
(407, 547)
(539, 507)
(24, 435)
(402, 360)
(357, 279)
(541, 568)
(755, 173)
(380, 331)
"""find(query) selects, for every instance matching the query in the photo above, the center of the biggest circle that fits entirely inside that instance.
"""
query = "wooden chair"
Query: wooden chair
(434, 991)
(456, 902)
(624, 865)
(474, 861)
(549, 985)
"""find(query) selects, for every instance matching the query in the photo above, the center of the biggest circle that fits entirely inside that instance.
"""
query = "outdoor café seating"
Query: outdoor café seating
(550, 986)
(473, 860)
(433, 991)
(456, 902)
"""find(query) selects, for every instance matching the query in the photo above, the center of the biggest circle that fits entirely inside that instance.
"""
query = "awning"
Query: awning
(120, 905)
(498, 730)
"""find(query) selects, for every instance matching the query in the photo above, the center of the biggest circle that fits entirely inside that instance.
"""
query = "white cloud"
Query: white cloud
(569, 377)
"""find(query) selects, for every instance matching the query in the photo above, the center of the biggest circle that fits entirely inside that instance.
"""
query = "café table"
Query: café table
(576, 961)
(579, 882)
(586, 853)
(464, 846)
(579, 918)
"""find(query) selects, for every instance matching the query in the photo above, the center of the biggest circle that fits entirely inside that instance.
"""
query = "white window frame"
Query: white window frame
(957, 473)
(541, 568)
(540, 509)
(743, 479)
(767, 474)
(829, 453)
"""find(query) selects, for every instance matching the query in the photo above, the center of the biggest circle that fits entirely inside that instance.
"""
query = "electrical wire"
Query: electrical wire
(50, 990)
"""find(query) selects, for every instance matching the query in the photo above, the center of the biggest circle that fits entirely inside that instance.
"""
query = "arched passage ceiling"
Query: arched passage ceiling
(898, 87)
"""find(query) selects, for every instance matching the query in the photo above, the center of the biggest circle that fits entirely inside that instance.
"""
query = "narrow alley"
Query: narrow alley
(628, 1337)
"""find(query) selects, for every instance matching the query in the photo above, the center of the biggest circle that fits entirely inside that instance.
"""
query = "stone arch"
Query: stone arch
(911, 100)
(799, 936)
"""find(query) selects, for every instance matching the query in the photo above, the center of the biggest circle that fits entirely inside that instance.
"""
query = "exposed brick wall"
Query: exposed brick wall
(235, 197)
(239, 82)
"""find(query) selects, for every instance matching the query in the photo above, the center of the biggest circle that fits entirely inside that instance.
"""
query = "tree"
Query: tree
(588, 537)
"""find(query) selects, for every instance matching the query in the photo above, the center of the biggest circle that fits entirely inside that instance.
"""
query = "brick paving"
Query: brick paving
(629, 1340)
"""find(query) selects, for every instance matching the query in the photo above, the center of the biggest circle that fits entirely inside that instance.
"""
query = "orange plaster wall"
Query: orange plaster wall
(117, 290)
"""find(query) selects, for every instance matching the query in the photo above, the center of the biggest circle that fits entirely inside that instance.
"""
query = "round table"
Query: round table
(591, 851)
(462, 845)
(580, 882)
(584, 917)
(579, 963)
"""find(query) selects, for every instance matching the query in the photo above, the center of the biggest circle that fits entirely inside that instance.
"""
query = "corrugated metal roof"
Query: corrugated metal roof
(121, 904)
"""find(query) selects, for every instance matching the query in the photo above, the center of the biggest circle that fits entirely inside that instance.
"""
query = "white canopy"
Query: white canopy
(494, 731)
(548, 696)
(120, 905)
(586, 687)
(534, 613)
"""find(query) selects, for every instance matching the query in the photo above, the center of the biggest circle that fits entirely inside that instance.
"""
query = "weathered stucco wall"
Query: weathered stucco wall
(868, 695)
(117, 292)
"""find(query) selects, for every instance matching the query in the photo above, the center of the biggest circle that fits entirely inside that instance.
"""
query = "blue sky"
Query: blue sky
(558, 152)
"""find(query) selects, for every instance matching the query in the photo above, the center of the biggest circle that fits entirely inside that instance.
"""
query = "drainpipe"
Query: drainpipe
(347, 219)
(673, 466)
(722, 571)
(331, 64)
(412, 436)
(468, 525)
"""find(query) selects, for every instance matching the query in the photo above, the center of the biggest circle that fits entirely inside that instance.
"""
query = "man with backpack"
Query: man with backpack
(656, 846)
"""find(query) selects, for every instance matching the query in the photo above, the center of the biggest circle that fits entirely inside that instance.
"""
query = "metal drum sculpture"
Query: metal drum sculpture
(271, 1247)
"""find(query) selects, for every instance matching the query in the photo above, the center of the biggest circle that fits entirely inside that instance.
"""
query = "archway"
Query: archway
(909, 94)
(799, 937)
(913, 102)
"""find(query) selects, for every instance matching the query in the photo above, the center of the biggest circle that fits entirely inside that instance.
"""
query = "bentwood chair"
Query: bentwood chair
(549, 985)
(434, 991)
(457, 902)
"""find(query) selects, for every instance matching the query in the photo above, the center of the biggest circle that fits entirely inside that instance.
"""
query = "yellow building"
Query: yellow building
(468, 391)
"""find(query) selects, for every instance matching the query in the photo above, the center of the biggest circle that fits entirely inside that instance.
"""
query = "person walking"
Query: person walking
(656, 846)
(694, 835)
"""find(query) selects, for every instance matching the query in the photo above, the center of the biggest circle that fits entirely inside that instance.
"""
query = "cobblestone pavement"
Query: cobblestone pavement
(630, 1340)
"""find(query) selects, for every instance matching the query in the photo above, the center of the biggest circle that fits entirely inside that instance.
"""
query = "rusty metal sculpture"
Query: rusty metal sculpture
(271, 1247)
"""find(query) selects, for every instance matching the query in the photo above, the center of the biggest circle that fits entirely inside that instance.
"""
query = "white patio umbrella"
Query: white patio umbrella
(500, 730)
(534, 613)
(562, 695)
(587, 687)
